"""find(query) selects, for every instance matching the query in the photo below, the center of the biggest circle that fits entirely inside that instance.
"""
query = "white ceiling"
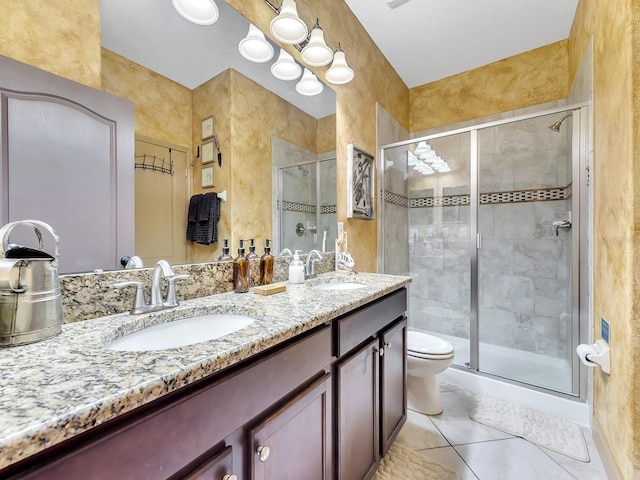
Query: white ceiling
(426, 40)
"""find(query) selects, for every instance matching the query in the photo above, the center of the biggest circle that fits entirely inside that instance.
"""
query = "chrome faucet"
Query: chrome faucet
(285, 251)
(162, 269)
(310, 268)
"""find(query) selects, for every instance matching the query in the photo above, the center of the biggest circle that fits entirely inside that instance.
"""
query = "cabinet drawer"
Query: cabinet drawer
(159, 443)
(220, 467)
(355, 328)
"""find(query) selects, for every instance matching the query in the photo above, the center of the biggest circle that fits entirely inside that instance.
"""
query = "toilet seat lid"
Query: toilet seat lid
(423, 343)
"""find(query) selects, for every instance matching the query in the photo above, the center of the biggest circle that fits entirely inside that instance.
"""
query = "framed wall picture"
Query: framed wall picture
(360, 184)
(206, 152)
(207, 177)
(206, 128)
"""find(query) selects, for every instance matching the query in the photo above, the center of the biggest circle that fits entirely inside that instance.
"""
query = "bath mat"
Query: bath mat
(543, 429)
(402, 463)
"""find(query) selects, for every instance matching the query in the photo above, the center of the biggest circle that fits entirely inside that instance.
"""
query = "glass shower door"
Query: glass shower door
(438, 186)
(525, 318)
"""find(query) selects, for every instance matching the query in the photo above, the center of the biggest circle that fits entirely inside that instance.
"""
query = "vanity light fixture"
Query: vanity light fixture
(254, 46)
(339, 72)
(200, 12)
(316, 53)
(309, 84)
(285, 67)
(287, 27)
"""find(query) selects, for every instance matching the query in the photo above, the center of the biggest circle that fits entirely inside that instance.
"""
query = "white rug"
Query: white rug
(541, 428)
(402, 463)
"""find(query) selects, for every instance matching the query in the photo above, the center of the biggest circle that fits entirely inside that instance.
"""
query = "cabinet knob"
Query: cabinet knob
(230, 477)
(387, 344)
(382, 352)
(263, 453)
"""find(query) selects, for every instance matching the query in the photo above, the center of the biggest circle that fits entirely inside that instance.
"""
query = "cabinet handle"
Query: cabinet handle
(382, 352)
(387, 344)
(263, 453)
(230, 477)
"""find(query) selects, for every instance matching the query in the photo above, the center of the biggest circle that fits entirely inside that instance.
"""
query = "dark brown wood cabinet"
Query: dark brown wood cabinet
(325, 405)
(370, 385)
(295, 440)
(393, 384)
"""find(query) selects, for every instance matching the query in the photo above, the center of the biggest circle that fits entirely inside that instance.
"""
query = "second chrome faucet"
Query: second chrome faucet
(310, 267)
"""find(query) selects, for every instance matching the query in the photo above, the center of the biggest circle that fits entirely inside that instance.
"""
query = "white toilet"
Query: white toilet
(427, 356)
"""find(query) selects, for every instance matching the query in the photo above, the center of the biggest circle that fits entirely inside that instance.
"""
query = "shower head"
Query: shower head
(304, 171)
(556, 126)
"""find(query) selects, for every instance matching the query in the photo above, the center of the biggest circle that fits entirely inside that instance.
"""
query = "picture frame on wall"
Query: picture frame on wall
(206, 152)
(207, 177)
(360, 184)
(206, 128)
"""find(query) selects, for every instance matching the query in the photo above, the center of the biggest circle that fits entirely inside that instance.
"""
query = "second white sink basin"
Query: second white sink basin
(338, 286)
(179, 333)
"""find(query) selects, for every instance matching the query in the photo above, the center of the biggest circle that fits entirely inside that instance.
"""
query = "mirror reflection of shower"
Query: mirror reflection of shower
(304, 194)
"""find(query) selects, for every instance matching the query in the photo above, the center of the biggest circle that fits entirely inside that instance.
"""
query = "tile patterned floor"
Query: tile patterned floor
(479, 452)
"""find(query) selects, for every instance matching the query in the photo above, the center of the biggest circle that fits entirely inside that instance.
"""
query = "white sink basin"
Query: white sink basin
(179, 333)
(338, 286)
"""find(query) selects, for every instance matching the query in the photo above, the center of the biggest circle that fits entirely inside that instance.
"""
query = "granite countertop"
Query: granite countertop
(63, 386)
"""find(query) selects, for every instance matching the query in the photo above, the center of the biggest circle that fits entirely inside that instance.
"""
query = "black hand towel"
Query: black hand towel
(192, 216)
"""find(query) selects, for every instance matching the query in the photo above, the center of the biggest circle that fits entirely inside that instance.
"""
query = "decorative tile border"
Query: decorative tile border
(396, 199)
(494, 198)
(306, 208)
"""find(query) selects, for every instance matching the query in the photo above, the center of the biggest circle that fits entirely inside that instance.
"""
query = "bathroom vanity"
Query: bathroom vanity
(314, 389)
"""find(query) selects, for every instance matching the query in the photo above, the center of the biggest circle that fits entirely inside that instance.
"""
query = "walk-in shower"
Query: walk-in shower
(492, 243)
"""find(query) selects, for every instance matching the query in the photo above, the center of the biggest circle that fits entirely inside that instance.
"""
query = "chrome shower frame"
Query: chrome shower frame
(581, 260)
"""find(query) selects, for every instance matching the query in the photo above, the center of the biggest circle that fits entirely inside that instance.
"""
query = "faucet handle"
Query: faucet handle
(139, 303)
(172, 301)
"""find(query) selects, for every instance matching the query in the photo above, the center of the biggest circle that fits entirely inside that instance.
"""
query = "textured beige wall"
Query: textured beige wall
(246, 117)
(59, 36)
(614, 26)
(327, 134)
(356, 109)
(531, 78)
(257, 115)
(162, 107)
(213, 98)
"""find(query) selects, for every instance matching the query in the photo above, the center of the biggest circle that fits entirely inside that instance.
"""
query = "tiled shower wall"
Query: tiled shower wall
(299, 197)
(524, 281)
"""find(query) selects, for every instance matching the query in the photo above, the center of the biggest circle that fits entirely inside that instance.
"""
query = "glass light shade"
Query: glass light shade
(339, 72)
(444, 168)
(309, 85)
(285, 67)
(200, 12)
(287, 27)
(254, 46)
(316, 53)
(412, 159)
(422, 148)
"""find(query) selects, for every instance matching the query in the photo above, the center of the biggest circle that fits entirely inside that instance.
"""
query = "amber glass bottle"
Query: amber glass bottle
(241, 271)
(266, 265)
(252, 250)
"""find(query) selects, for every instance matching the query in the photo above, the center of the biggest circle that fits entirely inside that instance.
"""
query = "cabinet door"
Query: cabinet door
(220, 467)
(357, 412)
(393, 381)
(294, 442)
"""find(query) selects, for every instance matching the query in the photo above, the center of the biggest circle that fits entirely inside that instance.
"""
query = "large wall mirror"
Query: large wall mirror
(277, 146)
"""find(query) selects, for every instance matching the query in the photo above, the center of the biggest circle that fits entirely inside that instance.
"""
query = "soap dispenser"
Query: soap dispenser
(241, 271)
(225, 257)
(252, 250)
(266, 265)
(296, 269)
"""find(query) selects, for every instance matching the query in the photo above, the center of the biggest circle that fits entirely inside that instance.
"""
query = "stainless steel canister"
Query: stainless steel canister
(30, 298)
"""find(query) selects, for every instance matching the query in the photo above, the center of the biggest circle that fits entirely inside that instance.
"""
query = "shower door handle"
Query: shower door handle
(478, 241)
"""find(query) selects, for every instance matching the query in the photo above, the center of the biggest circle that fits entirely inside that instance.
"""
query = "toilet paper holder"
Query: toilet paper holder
(596, 354)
